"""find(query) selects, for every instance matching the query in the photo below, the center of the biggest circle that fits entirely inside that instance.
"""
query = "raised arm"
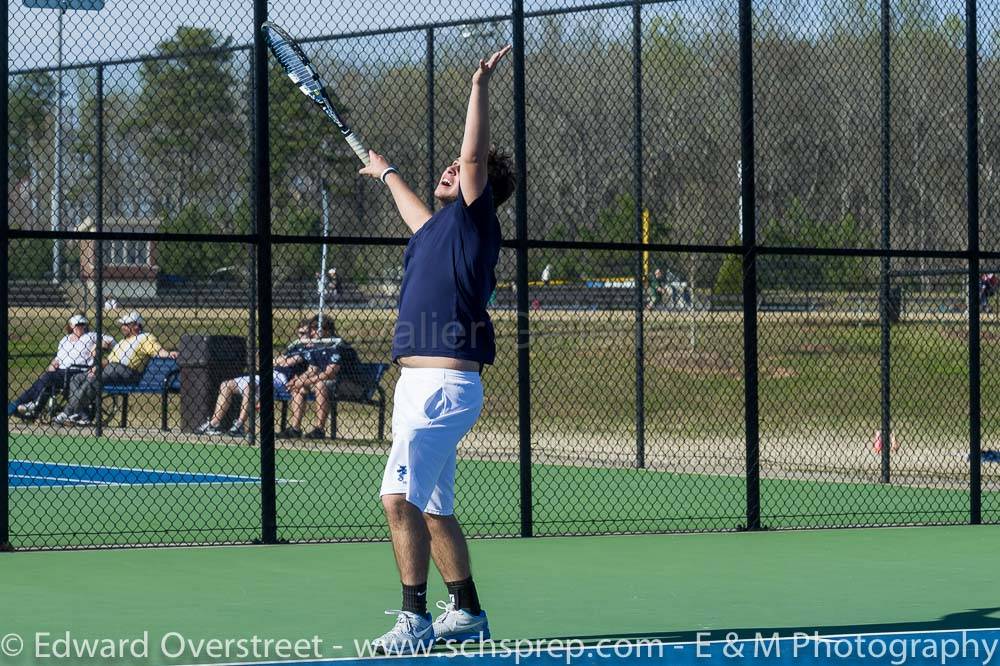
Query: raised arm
(413, 210)
(476, 141)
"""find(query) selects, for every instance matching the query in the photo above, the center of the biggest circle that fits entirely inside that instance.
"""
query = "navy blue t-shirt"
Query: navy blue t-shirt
(335, 351)
(449, 272)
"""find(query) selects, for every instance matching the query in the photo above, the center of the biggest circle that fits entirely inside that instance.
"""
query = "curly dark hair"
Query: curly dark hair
(328, 330)
(501, 174)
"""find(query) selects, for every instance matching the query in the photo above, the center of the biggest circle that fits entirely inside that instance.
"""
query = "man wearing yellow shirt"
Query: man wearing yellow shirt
(124, 364)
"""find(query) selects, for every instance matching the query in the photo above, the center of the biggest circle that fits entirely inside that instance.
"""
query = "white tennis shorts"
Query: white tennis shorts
(243, 382)
(433, 409)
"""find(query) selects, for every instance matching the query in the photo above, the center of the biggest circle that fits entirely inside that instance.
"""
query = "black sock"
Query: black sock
(463, 595)
(415, 599)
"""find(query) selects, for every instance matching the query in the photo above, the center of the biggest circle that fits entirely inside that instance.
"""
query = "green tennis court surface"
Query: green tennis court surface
(669, 587)
(333, 494)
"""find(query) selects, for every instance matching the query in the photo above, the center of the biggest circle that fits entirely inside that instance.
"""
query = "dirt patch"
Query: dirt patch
(696, 364)
(812, 348)
(962, 335)
(712, 364)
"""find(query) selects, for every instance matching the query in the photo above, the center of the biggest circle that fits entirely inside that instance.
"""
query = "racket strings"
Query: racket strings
(301, 72)
(292, 62)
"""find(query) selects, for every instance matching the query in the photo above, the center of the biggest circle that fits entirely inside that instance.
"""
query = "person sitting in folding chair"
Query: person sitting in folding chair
(330, 361)
(124, 364)
(74, 355)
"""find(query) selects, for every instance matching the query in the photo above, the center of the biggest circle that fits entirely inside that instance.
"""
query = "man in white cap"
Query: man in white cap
(74, 355)
(123, 365)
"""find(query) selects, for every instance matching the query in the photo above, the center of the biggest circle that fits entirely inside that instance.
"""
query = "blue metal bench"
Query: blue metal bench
(366, 390)
(161, 376)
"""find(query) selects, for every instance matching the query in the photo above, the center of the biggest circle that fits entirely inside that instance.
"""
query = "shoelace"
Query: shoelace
(448, 609)
(401, 618)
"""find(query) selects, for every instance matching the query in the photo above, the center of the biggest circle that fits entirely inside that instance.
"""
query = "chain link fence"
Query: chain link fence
(749, 279)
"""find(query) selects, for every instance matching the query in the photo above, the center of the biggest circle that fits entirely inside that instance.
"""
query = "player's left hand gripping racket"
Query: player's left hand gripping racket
(302, 74)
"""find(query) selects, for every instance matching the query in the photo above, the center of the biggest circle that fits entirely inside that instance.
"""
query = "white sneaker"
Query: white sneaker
(207, 428)
(411, 633)
(80, 420)
(455, 624)
(62, 418)
(27, 411)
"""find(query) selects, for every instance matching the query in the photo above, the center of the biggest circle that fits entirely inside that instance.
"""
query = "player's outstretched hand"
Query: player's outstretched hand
(376, 165)
(486, 67)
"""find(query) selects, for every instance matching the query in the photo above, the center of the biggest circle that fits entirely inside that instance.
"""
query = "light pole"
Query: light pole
(55, 214)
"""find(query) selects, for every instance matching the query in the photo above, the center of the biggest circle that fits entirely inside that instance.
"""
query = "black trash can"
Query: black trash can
(206, 361)
(895, 304)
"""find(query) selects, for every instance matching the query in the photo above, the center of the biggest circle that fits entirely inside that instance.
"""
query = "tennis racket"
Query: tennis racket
(302, 74)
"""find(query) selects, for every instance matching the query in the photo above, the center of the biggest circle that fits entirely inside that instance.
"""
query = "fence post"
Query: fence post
(4, 256)
(251, 358)
(972, 177)
(749, 226)
(99, 255)
(521, 280)
(885, 358)
(431, 175)
(640, 349)
(262, 227)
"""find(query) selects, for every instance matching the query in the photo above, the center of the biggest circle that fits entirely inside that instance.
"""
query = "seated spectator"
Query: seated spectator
(988, 283)
(124, 364)
(333, 282)
(286, 366)
(330, 362)
(74, 355)
(656, 290)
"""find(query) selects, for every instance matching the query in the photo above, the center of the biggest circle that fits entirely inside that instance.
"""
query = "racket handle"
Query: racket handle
(358, 147)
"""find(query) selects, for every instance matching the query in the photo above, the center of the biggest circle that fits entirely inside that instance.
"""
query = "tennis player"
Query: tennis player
(443, 337)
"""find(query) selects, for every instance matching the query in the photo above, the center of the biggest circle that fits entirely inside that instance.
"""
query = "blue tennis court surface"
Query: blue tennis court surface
(37, 474)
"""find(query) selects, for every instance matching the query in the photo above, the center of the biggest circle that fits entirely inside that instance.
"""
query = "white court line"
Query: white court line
(244, 479)
(91, 483)
(131, 469)
(79, 484)
(610, 642)
(82, 482)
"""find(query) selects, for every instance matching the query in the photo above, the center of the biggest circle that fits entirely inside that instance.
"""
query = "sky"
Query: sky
(130, 28)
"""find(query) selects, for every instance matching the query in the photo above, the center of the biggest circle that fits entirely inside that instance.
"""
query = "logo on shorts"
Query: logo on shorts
(401, 473)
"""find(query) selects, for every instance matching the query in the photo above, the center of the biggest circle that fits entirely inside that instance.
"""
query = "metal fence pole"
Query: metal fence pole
(972, 176)
(252, 351)
(262, 228)
(4, 256)
(749, 226)
(884, 317)
(99, 256)
(640, 350)
(431, 176)
(521, 280)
